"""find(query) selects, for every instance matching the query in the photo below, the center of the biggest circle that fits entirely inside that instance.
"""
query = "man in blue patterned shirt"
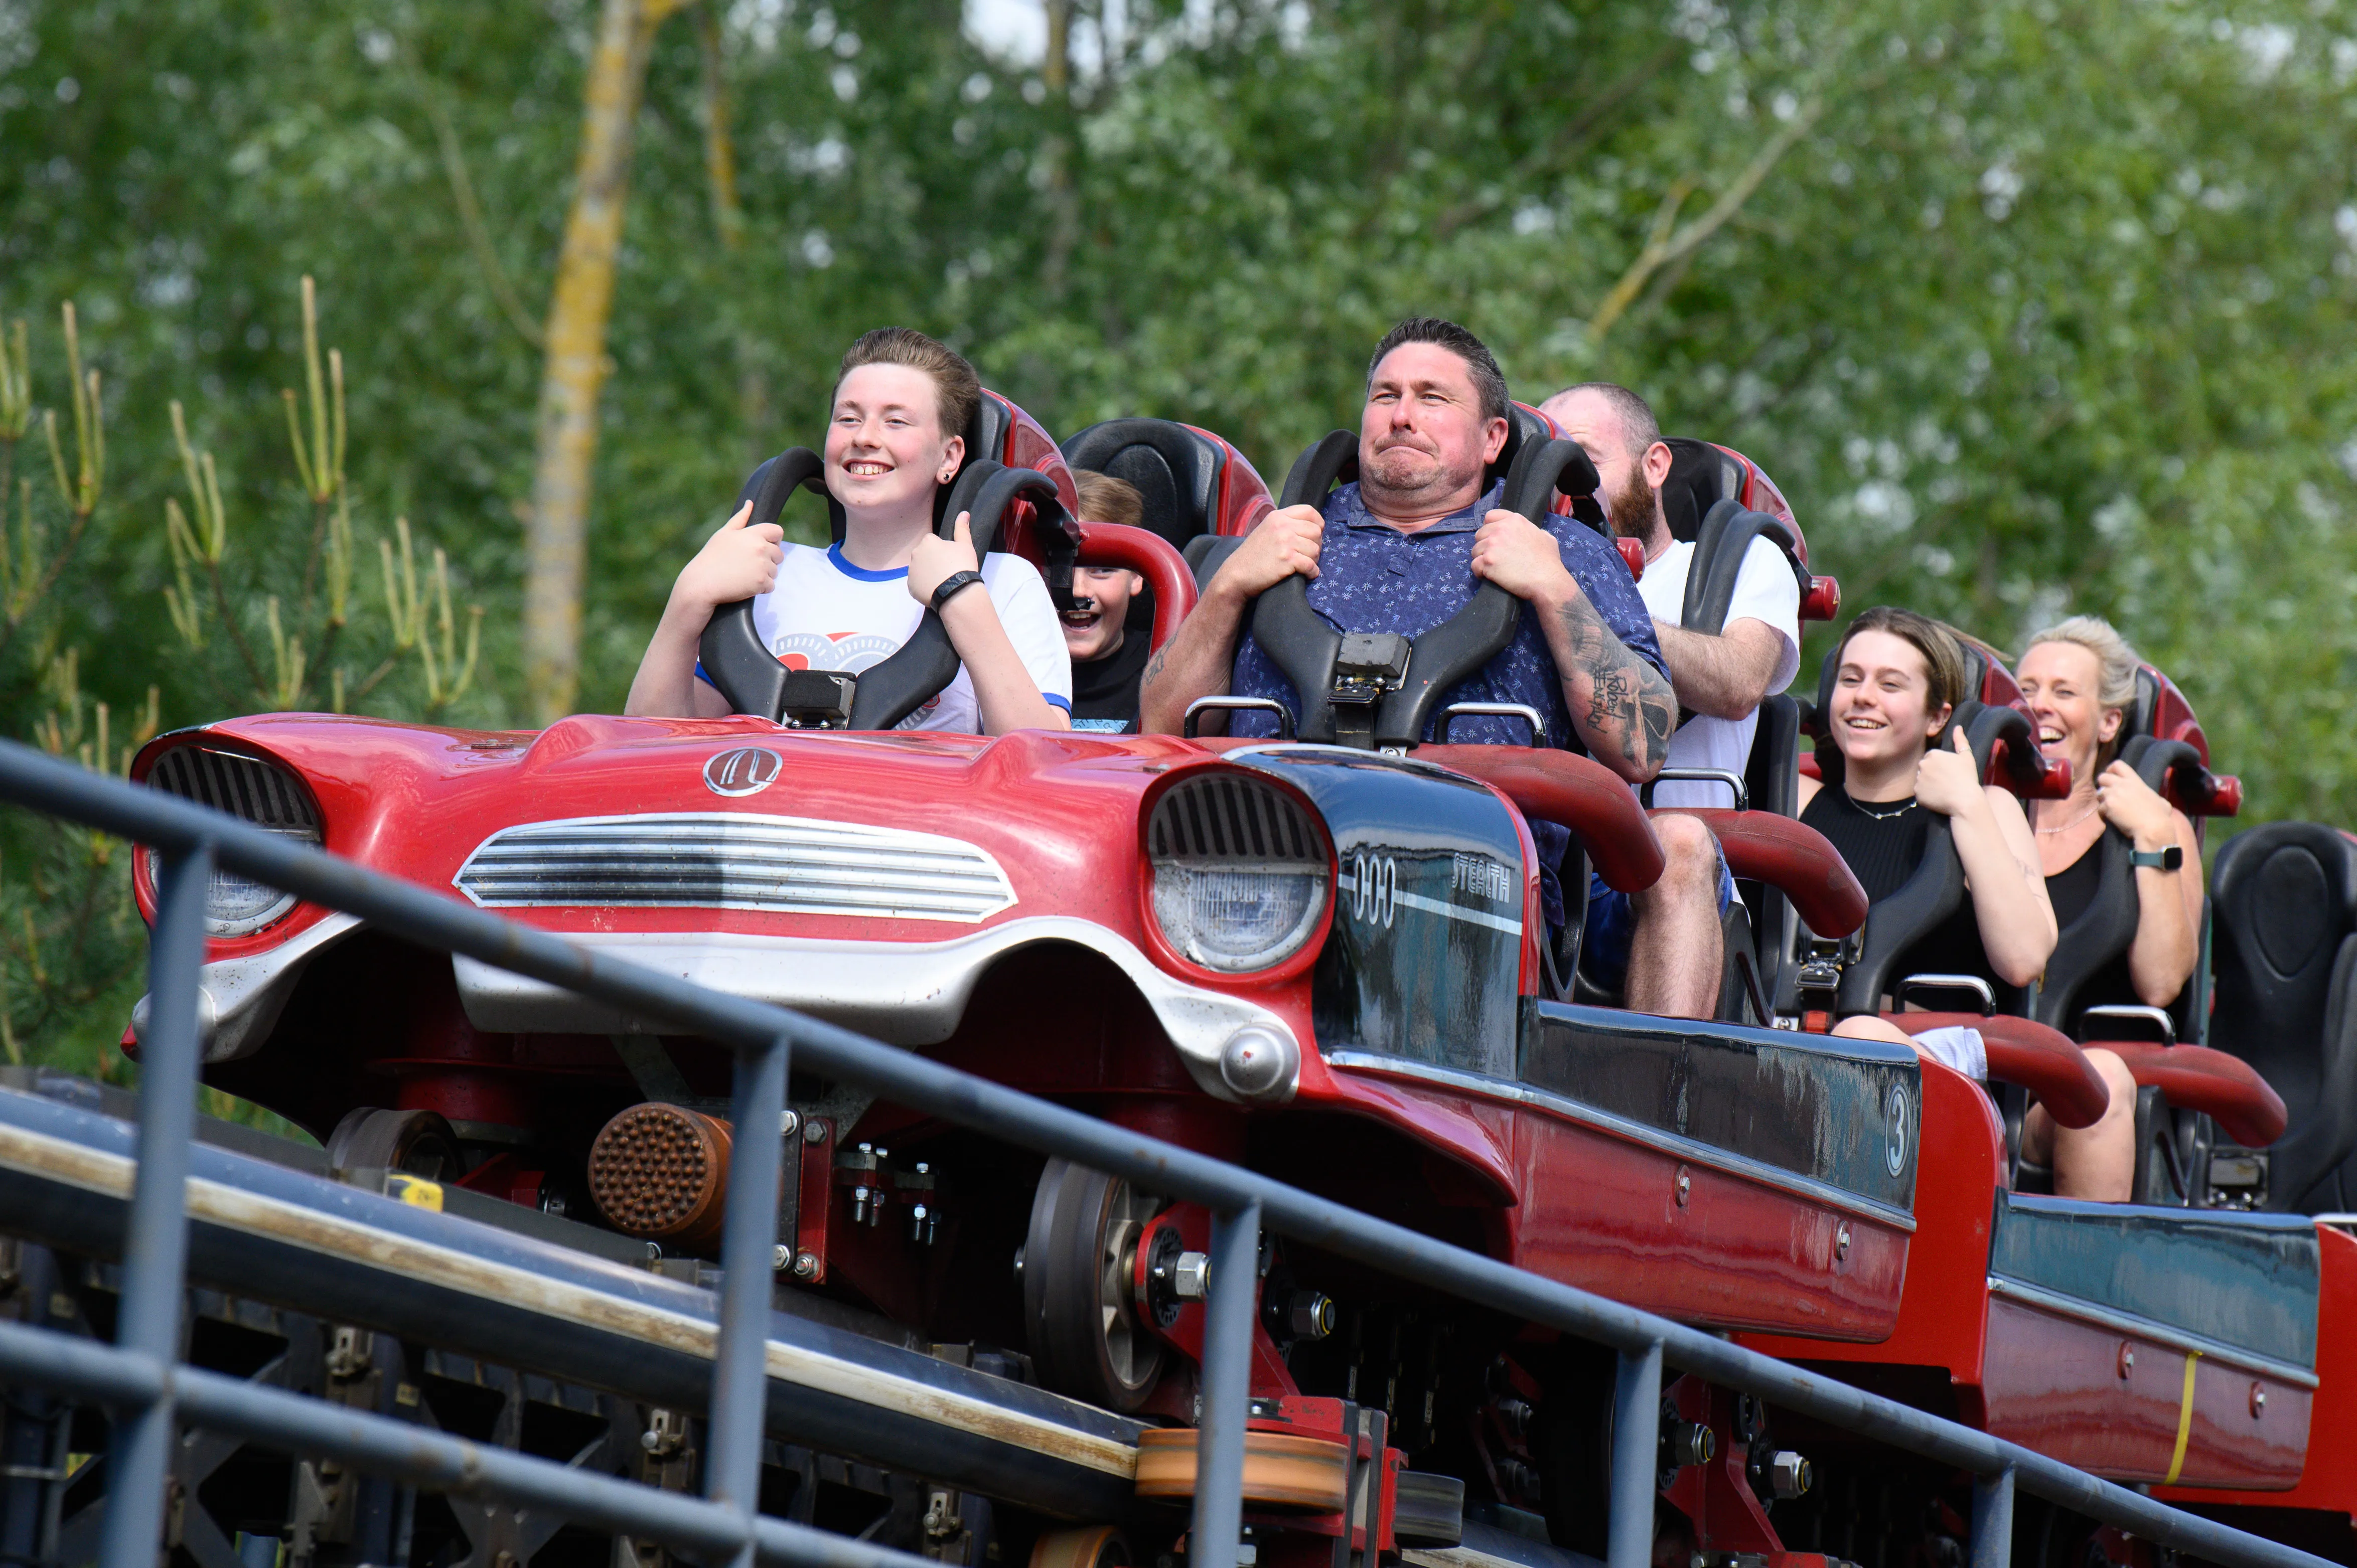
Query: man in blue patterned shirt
(1401, 551)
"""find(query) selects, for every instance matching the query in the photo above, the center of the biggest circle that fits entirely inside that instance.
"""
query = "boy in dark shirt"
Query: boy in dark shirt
(1107, 660)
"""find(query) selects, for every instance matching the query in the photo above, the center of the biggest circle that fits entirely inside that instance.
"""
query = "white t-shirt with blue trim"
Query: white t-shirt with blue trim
(826, 614)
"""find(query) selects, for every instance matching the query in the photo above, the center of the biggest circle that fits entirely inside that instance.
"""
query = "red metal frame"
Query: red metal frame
(1149, 555)
(2327, 1480)
(1566, 1197)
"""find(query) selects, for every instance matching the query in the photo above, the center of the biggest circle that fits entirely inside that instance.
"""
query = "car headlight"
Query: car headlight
(1240, 870)
(262, 793)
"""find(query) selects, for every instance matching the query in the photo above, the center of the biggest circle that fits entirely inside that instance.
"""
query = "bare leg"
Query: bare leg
(1678, 952)
(1866, 1026)
(2095, 1162)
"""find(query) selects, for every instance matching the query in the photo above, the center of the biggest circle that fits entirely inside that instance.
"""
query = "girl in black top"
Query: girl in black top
(2079, 677)
(1898, 677)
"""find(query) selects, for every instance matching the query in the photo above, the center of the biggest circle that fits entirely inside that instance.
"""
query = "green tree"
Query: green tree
(2024, 308)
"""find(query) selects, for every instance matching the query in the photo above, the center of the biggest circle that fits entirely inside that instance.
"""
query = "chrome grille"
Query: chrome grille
(1221, 815)
(722, 860)
(263, 794)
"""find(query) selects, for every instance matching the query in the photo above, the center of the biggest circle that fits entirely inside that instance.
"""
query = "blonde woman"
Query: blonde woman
(2080, 678)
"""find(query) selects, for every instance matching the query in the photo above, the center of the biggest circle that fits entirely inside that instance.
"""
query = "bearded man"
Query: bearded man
(1403, 548)
(1721, 679)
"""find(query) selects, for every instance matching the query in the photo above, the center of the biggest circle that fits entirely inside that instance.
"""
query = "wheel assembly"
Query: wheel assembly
(414, 1143)
(1088, 1546)
(1282, 1470)
(1080, 1306)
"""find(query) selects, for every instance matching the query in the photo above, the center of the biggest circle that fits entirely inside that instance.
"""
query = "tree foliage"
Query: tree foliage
(2026, 307)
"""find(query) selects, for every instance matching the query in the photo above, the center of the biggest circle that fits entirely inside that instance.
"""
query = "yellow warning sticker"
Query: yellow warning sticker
(414, 1191)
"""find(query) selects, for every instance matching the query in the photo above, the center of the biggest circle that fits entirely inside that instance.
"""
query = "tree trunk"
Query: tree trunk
(1063, 202)
(576, 365)
(728, 223)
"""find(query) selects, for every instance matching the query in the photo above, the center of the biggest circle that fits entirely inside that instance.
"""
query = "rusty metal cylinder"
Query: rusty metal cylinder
(661, 1172)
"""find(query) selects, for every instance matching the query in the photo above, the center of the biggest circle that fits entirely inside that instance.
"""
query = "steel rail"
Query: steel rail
(301, 1426)
(176, 827)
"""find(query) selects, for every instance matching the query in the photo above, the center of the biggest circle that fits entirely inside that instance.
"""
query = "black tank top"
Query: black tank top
(1884, 845)
(2071, 890)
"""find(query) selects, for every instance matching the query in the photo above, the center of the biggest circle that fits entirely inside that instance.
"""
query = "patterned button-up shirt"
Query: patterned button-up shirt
(1372, 577)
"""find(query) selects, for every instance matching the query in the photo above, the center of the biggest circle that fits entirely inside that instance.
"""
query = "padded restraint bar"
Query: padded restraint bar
(879, 698)
(1576, 792)
(2040, 1060)
(1721, 545)
(1936, 890)
(732, 653)
(1791, 857)
(1402, 683)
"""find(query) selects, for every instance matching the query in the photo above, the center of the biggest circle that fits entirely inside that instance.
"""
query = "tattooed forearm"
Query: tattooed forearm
(1194, 663)
(1623, 707)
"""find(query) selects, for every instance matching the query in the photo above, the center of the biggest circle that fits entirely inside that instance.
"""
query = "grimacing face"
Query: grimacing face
(885, 449)
(1882, 709)
(1422, 438)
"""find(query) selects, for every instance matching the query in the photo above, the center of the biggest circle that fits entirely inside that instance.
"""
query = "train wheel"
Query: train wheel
(1079, 1305)
(415, 1142)
(1090, 1546)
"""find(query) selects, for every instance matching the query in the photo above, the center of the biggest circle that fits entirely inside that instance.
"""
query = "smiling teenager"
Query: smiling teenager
(1898, 677)
(899, 402)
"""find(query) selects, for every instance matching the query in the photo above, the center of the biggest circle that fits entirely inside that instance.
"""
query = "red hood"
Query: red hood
(1057, 810)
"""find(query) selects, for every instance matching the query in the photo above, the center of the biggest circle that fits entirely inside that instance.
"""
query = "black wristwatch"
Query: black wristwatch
(2169, 859)
(951, 585)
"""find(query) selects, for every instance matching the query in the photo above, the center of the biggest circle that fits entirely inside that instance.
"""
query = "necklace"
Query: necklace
(1900, 810)
(2066, 827)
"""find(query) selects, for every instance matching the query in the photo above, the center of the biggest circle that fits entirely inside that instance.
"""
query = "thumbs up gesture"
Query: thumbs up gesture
(738, 562)
(936, 560)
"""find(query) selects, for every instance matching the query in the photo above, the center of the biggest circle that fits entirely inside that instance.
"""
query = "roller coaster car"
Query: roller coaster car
(2184, 1090)
(2145, 1341)
(1324, 959)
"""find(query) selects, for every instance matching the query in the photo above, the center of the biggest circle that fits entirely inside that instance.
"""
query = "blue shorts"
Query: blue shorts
(1612, 923)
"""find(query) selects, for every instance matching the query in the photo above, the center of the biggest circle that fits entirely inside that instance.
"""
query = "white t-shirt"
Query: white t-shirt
(1765, 591)
(827, 614)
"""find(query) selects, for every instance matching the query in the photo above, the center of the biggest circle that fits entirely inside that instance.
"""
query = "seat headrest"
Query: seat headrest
(2161, 711)
(986, 432)
(1174, 470)
(1524, 423)
(1701, 475)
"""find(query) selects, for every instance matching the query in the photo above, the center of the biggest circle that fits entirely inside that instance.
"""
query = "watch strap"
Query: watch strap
(951, 585)
(2169, 859)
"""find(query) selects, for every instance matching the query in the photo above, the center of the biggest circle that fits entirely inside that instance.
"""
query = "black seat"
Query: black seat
(1701, 476)
(2284, 958)
(1176, 471)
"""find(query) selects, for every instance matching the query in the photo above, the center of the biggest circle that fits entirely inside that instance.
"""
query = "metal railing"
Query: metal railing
(139, 1376)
